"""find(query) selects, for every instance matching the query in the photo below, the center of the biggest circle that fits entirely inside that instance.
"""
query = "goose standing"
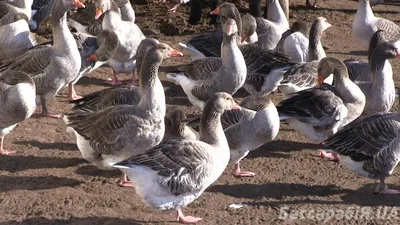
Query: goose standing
(318, 113)
(370, 148)
(254, 125)
(119, 132)
(129, 35)
(365, 24)
(202, 78)
(175, 173)
(302, 49)
(52, 67)
(17, 102)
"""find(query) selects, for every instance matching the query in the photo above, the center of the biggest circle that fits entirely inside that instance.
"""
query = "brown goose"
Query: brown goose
(119, 132)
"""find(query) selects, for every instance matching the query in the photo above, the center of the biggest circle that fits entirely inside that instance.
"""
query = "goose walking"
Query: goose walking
(176, 172)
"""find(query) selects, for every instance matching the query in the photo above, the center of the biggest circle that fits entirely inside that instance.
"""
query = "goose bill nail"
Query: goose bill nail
(215, 11)
(99, 12)
(176, 53)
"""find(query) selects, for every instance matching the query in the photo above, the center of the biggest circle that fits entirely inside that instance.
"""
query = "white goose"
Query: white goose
(204, 77)
(365, 24)
(370, 148)
(302, 49)
(175, 173)
(17, 102)
(318, 113)
(119, 132)
(254, 125)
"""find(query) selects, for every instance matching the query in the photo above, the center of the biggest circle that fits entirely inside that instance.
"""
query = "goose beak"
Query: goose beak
(99, 12)
(320, 80)
(216, 11)
(229, 30)
(237, 101)
(175, 53)
(244, 37)
(78, 4)
(92, 58)
(236, 107)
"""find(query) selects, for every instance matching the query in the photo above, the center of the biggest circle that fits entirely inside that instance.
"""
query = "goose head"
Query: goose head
(256, 102)
(331, 65)
(225, 9)
(321, 24)
(12, 77)
(222, 102)
(145, 45)
(108, 43)
(249, 26)
(162, 51)
(103, 6)
(68, 4)
(388, 50)
(299, 26)
(230, 28)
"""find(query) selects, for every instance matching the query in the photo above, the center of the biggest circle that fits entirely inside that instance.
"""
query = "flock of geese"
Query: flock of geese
(345, 106)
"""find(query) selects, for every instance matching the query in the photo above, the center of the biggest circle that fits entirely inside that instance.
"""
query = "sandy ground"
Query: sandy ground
(48, 182)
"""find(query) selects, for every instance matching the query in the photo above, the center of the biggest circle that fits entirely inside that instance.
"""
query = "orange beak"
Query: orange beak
(216, 11)
(320, 80)
(175, 53)
(78, 4)
(244, 37)
(92, 58)
(229, 30)
(99, 12)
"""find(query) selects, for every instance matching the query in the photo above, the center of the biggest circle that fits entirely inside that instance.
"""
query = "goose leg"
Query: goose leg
(115, 80)
(312, 6)
(239, 173)
(383, 189)
(2, 150)
(329, 156)
(72, 93)
(45, 112)
(186, 219)
(132, 81)
(124, 182)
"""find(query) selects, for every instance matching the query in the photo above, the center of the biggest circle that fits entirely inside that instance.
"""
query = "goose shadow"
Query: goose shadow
(364, 196)
(276, 149)
(90, 170)
(76, 221)
(276, 190)
(9, 183)
(54, 145)
(90, 80)
(15, 163)
(356, 53)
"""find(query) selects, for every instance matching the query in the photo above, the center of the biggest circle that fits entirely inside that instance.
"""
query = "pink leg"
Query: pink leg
(132, 81)
(45, 112)
(239, 173)
(114, 81)
(186, 219)
(329, 156)
(124, 182)
(2, 150)
(72, 93)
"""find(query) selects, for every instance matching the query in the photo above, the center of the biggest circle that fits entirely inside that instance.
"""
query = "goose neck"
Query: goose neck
(62, 36)
(127, 12)
(112, 17)
(364, 9)
(315, 49)
(211, 130)
(276, 13)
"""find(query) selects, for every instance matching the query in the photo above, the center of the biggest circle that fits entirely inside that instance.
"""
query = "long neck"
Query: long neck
(211, 130)
(365, 10)
(127, 12)
(151, 89)
(276, 13)
(62, 37)
(229, 49)
(382, 74)
(315, 49)
(348, 91)
(112, 18)
(235, 15)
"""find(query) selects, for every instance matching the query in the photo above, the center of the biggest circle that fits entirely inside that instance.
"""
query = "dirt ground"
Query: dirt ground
(48, 182)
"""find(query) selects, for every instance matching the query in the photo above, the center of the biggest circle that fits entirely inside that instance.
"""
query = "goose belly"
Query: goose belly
(148, 187)
(122, 66)
(352, 165)
(307, 130)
